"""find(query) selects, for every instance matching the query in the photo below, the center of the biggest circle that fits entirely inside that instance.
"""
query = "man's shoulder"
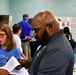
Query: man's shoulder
(23, 22)
(20, 21)
(16, 37)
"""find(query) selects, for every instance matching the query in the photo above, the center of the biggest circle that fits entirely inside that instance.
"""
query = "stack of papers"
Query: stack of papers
(12, 64)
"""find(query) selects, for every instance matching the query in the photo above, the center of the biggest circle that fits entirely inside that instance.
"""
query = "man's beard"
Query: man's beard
(44, 38)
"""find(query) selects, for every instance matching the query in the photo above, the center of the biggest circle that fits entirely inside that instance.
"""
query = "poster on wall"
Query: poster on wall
(64, 22)
(68, 22)
(73, 27)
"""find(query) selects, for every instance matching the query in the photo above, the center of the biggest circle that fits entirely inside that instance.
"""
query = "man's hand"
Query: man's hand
(27, 38)
(25, 63)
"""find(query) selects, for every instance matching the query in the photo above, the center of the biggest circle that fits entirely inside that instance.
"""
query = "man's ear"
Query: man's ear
(49, 26)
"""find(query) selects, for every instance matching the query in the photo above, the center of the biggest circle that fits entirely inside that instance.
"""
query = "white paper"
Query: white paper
(11, 64)
(22, 71)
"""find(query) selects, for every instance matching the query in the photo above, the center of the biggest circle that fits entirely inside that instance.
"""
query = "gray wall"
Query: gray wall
(4, 7)
(57, 7)
(16, 8)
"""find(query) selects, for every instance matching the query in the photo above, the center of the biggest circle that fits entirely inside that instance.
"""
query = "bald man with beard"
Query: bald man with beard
(55, 55)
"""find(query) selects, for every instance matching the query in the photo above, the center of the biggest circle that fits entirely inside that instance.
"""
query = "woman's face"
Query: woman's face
(2, 37)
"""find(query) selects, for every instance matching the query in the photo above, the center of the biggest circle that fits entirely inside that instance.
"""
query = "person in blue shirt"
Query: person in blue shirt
(25, 36)
(7, 45)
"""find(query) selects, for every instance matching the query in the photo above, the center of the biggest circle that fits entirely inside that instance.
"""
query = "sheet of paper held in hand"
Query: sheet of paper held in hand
(12, 64)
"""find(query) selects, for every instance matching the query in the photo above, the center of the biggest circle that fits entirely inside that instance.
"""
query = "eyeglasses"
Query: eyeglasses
(2, 35)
